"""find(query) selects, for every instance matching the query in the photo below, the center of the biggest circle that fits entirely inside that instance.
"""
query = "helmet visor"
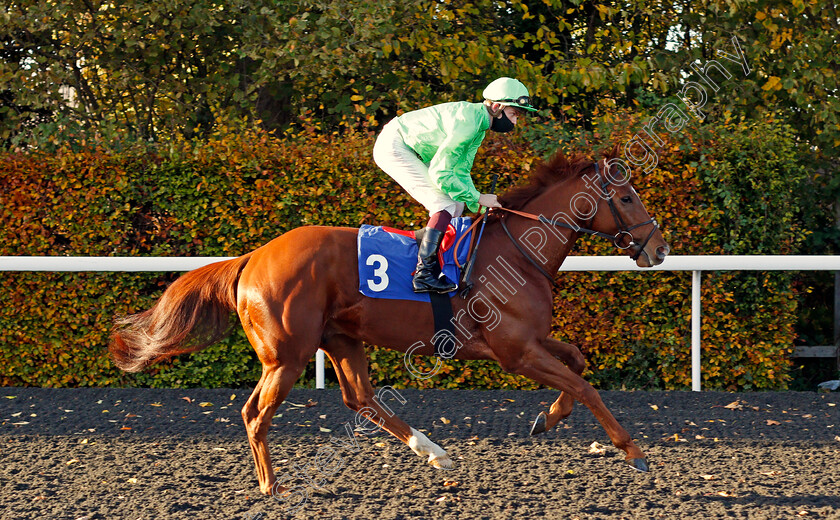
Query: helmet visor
(523, 102)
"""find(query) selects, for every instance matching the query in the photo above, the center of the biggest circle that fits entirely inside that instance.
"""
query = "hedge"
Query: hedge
(729, 188)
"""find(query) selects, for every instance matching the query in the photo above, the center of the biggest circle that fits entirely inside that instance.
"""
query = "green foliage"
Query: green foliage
(94, 71)
(230, 363)
(753, 175)
(792, 54)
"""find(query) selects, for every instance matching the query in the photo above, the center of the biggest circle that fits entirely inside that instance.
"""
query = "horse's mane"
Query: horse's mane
(558, 168)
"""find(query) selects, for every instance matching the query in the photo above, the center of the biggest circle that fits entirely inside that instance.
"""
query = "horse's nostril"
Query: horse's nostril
(662, 252)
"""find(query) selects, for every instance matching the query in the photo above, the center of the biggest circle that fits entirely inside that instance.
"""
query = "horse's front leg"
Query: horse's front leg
(350, 361)
(536, 362)
(562, 407)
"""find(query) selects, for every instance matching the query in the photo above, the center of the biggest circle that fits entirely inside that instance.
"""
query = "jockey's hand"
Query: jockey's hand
(488, 200)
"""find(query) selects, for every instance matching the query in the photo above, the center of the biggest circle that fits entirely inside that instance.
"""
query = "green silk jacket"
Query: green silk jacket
(447, 137)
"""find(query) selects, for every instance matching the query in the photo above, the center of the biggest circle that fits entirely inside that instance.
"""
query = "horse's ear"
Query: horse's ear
(611, 153)
(547, 172)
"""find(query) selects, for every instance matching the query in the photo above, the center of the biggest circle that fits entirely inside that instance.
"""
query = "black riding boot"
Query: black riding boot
(428, 278)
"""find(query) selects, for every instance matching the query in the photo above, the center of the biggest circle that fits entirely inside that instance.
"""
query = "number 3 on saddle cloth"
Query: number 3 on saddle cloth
(388, 258)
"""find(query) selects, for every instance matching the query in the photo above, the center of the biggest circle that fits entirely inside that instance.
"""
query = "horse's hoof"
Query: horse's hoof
(539, 424)
(275, 489)
(442, 463)
(639, 465)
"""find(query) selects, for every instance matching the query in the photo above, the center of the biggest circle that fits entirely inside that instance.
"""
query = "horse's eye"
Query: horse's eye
(627, 199)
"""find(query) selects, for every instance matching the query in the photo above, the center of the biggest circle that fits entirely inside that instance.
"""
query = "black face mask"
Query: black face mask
(501, 124)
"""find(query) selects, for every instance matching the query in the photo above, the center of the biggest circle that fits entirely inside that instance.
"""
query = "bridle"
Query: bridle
(623, 229)
(623, 232)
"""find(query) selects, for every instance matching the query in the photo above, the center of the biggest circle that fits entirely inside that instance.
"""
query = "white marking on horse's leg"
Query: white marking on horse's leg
(422, 446)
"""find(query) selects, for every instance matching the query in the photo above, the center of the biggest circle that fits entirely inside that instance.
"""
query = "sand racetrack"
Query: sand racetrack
(97, 454)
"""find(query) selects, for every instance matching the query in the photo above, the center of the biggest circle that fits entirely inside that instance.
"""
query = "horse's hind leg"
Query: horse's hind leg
(350, 361)
(274, 386)
(562, 407)
(284, 356)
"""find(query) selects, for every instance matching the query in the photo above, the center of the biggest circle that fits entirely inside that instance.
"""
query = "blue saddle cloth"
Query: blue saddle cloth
(388, 258)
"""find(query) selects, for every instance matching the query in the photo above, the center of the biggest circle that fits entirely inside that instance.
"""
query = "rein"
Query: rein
(623, 229)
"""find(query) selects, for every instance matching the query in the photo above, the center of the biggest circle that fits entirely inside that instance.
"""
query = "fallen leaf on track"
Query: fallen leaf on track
(772, 422)
(734, 405)
(187, 399)
(205, 404)
(708, 477)
(597, 449)
(155, 404)
(444, 420)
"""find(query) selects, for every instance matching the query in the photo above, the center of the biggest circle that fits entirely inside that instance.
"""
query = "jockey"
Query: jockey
(430, 153)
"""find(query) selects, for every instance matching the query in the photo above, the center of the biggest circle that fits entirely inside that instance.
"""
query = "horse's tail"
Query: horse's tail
(193, 313)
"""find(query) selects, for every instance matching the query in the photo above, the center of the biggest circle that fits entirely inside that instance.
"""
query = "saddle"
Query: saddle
(387, 258)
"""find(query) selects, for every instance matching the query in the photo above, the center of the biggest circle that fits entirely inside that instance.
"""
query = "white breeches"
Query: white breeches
(403, 165)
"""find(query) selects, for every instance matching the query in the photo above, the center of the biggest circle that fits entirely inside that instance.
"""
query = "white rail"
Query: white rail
(695, 264)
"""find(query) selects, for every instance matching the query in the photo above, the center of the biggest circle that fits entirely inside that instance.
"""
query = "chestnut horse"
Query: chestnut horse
(300, 292)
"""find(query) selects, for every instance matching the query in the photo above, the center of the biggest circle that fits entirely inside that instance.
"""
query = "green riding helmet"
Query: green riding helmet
(509, 92)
